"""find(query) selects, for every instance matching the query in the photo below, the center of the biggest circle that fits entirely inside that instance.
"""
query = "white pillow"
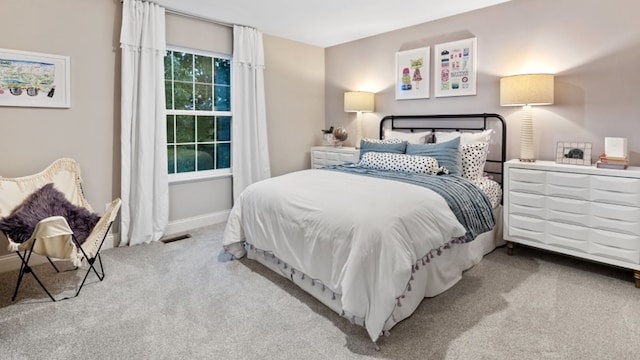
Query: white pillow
(401, 163)
(465, 137)
(383, 141)
(474, 157)
(410, 137)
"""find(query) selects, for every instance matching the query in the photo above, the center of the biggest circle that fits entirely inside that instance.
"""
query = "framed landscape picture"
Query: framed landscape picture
(34, 79)
(412, 73)
(455, 66)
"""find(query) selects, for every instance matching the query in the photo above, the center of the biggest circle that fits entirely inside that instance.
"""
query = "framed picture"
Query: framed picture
(455, 66)
(412, 73)
(34, 79)
(574, 153)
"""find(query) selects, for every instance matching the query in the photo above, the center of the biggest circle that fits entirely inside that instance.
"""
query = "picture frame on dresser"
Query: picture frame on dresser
(573, 153)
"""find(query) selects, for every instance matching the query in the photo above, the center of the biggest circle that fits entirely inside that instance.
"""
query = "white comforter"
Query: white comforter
(358, 235)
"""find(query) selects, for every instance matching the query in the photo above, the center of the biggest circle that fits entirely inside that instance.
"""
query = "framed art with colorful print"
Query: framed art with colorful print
(34, 79)
(412, 74)
(455, 66)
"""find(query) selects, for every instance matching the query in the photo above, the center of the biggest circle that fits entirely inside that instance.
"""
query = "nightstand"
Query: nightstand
(582, 211)
(330, 155)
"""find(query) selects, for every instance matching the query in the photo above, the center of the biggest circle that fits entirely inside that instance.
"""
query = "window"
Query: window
(198, 102)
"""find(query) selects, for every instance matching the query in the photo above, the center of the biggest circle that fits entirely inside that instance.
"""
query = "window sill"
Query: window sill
(205, 175)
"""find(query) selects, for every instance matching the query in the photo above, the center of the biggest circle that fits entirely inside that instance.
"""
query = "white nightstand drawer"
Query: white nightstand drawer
(332, 156)
(328, 155)
(350, 157)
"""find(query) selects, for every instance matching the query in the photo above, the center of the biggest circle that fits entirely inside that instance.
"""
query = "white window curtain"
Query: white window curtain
(145, 188)
(250, 150)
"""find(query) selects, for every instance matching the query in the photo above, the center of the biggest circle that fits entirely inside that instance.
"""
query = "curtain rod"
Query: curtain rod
(195, 17)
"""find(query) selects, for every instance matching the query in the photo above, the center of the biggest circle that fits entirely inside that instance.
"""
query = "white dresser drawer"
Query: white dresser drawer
(568, 236)
(567, 210)
(530, 181)
(581, 211)
(575, 186)
(527, 228)
(624, 219)
(527, 204)
(615, 190)
(614, 245)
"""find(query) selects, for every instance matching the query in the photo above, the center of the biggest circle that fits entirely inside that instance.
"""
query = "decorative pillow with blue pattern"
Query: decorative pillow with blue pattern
(395, 146)
(401, 163)
(447, 154)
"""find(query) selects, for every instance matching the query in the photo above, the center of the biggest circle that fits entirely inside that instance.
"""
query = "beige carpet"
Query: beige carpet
(187, 300)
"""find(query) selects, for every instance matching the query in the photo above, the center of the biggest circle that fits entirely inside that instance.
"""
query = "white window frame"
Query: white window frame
(204, 174)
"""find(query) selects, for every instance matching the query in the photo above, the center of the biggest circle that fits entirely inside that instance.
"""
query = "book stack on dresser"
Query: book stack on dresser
(613, 162)
(615, 154)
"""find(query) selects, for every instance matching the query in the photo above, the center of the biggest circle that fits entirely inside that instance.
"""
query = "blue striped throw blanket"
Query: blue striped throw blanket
(470, 205)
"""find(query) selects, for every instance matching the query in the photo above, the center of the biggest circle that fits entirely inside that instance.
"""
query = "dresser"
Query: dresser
(330, 155)
(581, 211)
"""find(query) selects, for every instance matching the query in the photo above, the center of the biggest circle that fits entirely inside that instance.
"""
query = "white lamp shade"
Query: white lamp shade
(355, 101)
(528, 89)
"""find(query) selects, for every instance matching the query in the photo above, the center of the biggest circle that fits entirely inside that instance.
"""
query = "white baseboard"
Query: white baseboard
(184, 225)
(12, 261)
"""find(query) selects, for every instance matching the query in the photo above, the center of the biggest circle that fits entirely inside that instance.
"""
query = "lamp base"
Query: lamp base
(526, 136)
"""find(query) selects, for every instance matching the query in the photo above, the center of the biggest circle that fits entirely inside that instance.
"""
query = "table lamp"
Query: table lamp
(358, 102)
(526, 90)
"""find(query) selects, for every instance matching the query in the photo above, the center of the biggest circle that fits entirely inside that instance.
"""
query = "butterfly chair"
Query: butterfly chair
(38, 213)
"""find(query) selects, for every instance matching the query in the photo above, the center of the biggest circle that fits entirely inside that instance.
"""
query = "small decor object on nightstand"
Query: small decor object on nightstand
(328, 138)
(573, 153)
(341, 135)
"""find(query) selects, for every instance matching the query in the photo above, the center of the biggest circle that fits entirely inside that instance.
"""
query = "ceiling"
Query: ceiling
(327, 22)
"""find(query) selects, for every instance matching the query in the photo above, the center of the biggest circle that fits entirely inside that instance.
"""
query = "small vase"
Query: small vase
(328, 139)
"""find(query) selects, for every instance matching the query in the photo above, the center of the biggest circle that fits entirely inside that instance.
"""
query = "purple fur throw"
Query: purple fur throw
(47, 201)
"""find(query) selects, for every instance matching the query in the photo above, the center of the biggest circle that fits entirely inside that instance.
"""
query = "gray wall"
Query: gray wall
(88, 32)
(593, 48)
(294, 87)
(32, 138)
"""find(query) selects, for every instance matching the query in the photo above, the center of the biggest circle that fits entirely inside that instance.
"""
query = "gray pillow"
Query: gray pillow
(394, 148)
(447, 153)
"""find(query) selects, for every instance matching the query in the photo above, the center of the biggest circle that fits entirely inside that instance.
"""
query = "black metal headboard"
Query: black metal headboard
(458, 122)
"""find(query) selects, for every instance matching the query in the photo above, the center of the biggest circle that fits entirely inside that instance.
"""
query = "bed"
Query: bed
(371, 240)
